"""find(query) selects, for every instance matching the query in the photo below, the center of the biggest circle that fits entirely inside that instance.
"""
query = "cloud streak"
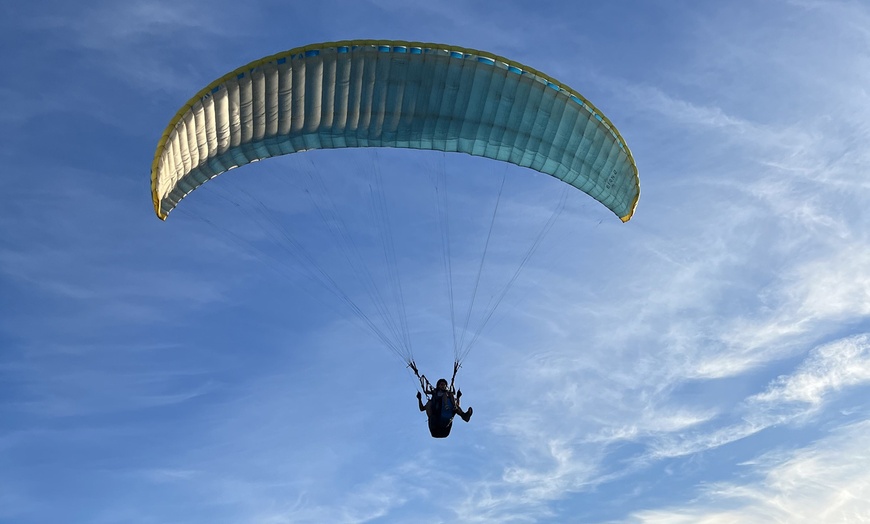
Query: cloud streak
(827, 481)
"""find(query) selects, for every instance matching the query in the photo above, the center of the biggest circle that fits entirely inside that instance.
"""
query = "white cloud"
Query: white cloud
(790, 398)
(828, 481)
(367, 502)
(829, 369)
(799, 225)
(810, 297)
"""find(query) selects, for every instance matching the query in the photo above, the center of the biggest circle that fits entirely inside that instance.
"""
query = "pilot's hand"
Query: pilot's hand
(419, 396)
(459, 394)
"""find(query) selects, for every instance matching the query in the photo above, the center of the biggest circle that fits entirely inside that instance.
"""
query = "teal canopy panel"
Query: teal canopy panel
(393, 94)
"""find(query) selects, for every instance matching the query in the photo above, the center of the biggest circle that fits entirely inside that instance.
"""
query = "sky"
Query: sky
(706, 362)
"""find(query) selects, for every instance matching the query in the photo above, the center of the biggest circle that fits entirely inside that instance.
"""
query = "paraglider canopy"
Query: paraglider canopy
(379, 93)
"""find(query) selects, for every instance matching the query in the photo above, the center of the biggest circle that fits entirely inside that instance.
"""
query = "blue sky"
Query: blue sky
(709, 361)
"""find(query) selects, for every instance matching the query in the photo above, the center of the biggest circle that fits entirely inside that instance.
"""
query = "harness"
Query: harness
(426, 386)
(441, 407)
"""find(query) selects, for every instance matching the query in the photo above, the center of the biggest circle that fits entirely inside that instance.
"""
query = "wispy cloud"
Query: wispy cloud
(827, 481)
(790, 398)
(827, 292)
(574, 454)
(828, 369)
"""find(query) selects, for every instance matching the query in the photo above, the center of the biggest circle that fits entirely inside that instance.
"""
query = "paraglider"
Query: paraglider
(442, 405)
(374, 93)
